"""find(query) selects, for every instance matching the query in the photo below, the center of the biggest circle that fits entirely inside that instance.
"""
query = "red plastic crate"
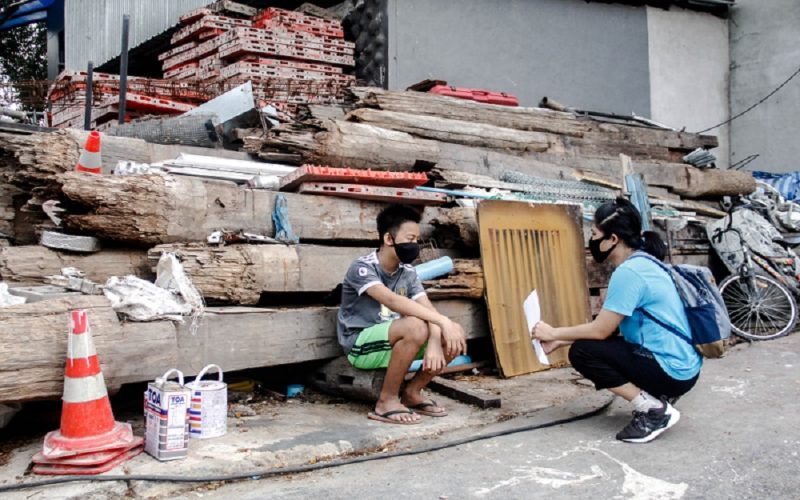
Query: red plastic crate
(318, 173)
(478, 95)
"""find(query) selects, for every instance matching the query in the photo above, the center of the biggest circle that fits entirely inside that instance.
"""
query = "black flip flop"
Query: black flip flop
(420, 408)
(384, 417)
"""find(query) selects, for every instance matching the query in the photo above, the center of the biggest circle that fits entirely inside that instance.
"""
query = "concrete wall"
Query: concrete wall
(587, 55)
(689, 72)
(765, 51)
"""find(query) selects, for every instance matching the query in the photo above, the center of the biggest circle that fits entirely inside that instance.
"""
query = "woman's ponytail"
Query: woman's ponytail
(654, 245)
(621, 217)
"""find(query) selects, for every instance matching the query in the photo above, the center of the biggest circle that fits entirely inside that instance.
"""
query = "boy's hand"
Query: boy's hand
(453, 338)
(434, 361)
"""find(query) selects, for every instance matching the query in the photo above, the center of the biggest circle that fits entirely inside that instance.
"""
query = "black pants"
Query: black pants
(614, 362)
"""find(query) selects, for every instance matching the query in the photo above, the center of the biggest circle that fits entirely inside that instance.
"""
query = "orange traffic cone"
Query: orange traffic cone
(89, 440)
(91, 160)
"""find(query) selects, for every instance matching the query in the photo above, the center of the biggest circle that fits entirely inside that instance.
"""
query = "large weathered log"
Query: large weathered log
(420, 103)
(456, 131)
(682, 179)
(153, 209)
(534, 119)
(239, 274)
(30, 264)
(33, 347)
(357, 145)
(267, 337)
(156, 209)
(33, 342)
(33, 160)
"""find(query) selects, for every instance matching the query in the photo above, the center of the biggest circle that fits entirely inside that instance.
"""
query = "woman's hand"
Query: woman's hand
(544, 332)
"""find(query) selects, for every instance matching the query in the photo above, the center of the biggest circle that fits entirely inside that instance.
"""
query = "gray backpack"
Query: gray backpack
(705, 309)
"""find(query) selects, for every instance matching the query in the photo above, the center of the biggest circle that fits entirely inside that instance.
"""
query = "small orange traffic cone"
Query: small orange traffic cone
(91, 160)
(89, 440)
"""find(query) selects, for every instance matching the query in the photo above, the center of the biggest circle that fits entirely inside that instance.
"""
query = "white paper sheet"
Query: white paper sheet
(533, 315)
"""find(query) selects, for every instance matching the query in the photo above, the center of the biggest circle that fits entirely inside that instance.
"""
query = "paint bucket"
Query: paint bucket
(434, 268)
(166, 418)
(208, 413)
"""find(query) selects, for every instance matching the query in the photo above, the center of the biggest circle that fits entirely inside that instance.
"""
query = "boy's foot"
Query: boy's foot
(394, 413)
(393, 417)
(646, 426)
(429, 409)
(419, 404)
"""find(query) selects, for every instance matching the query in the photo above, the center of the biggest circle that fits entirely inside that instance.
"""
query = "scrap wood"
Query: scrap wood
(461, 391)
(466, 281)
(656, 199)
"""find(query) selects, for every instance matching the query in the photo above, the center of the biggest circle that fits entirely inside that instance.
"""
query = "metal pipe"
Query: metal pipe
(553, 104)
(87, 114)
(123, 67)
(13, 113)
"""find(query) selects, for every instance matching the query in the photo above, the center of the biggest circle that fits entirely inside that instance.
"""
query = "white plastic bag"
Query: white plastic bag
(6, 299)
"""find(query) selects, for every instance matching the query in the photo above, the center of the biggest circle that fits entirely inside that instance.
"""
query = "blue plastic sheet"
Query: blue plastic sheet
(788, 185)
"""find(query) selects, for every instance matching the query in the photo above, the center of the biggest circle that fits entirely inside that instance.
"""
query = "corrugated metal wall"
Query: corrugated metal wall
(93, 28)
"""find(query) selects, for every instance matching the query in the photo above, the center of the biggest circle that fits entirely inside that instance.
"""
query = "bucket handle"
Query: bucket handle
(166, 376)
(205, 369)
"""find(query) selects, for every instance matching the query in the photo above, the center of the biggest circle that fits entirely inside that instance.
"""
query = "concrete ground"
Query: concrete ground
(311, 430)
(738, 438)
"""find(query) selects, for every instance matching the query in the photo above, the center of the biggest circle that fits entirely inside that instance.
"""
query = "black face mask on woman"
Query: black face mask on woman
(406, 252)
(599, 255)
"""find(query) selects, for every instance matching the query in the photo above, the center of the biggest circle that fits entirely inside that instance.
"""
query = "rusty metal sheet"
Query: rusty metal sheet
(526, 246)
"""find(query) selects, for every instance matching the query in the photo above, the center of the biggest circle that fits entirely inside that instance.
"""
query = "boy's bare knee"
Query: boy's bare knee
(417, 331)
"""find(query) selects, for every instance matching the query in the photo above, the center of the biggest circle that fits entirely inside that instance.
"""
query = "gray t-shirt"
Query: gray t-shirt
(358, 310)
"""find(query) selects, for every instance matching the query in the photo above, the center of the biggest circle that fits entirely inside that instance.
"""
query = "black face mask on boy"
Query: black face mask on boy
(599, 255)
(406, 252)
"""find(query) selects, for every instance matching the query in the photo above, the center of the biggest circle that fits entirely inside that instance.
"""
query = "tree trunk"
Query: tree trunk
(31, 264)
(155, 209)
(456, 131)
(239, 274)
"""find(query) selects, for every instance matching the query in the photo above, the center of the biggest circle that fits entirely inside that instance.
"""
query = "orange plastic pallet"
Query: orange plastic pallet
(318, 173)
(373, 193)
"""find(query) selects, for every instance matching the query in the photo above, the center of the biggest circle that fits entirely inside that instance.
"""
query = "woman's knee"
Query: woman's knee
(579, 352)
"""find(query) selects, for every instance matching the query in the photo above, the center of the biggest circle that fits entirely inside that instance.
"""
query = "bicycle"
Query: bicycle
(760, 307)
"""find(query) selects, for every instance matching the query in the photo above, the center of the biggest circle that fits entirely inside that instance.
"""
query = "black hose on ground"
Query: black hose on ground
(284, 471)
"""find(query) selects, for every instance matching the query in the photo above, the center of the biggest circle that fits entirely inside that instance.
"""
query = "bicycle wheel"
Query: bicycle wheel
(766, 312)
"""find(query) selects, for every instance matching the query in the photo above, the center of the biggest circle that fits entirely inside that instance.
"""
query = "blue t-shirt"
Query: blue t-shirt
(640, 283)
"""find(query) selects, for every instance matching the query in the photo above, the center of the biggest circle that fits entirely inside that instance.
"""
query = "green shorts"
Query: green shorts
(373, 350)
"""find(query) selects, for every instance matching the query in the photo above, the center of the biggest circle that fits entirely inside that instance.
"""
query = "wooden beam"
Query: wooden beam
(31, 264)
(455, 131)
(33, 341)
(534, 119)
(155, 209)
(358, 145)
(239, 274)
(33, 347)
(461, 391)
